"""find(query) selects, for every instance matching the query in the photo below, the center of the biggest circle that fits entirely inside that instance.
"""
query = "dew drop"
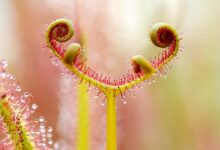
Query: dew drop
(123, 97)
(11, 77)
(133, 93)
(4, 64)
(140, 87)
(34, 107)
(42, 126)
(56, 146)
(37, 132)
(27, 95)
(96, 97)
(22, 101)
(102, 104)
(42, 130)
(44, 145)
(49, 135)
(12, 98)
(18, 89)
(50, 129)
(3, 75)
(39, 144)
(54, 61)
(44, 139)
(89, 87)
(50, 141)
(41, 119)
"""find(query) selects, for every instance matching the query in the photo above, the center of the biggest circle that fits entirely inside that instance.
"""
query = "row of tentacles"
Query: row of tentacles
(18, 131)
(162, 35)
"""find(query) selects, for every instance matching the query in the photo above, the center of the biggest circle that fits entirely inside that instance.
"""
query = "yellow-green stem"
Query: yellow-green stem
(83, 115)
(111, 140)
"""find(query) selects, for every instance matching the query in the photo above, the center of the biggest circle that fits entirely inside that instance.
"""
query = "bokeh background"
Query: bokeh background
(180, 112)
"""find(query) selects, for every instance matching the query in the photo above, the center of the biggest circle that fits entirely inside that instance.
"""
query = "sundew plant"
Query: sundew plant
(143, 70)
(19, 128)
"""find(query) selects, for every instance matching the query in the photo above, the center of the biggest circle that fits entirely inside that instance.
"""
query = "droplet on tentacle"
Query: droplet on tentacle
(34, 107)
(41, 119)
(3, 64)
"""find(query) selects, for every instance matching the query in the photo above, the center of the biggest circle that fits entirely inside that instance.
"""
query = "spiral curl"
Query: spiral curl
(60, 30)
(164, 36)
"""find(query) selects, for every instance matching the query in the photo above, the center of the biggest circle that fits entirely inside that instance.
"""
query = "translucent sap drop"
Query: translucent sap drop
(26, 94)
(103, 103)
(42, 126)
(44, 139)
(23, 101)
(123, 97)
(56, 146)
(96, 97)
(41, 119)
(12, 98)
(125, 102)
(44, 145)
(42, 130)
(50, 129)
(89, 87)
(4, 64)
(10, 77)
(50, 142)
(39, 144)
(54, 61)
(37, 132)
(18, 89)
(34, 107)
(49, 135)
(2, 75)
(133, 93)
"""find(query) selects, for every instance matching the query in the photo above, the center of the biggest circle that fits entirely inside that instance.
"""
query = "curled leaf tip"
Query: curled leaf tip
(139, 62)
(71, 53)
(60, 30)
(165, 36)
(162, 34)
